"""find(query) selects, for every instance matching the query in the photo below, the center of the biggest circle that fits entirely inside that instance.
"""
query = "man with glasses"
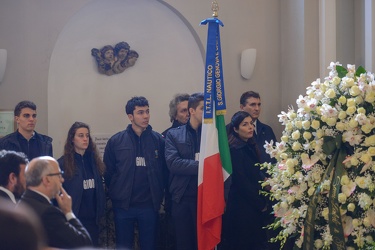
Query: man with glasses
(44, 182)
(25, 139)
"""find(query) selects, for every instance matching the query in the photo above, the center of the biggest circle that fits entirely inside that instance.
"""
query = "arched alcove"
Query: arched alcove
(170, 61)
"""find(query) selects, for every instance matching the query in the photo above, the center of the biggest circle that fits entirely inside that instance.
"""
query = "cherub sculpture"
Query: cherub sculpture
(114, 60)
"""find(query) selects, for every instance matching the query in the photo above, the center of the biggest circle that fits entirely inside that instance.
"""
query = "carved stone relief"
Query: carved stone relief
(114, 60)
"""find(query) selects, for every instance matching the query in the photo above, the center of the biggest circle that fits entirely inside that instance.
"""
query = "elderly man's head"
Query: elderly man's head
(44, 175)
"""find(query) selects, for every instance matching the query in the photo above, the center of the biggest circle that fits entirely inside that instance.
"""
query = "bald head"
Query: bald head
(37, 168)
(44, 175)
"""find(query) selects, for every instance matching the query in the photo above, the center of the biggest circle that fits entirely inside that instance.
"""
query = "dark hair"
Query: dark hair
(69, 166)
(247, 95)
(235, 122)
(177, 99)
(10, 162)
(194, 100)
(139, 101)
(105, 49)
(133, 53)
(22, 105)
(120, 46)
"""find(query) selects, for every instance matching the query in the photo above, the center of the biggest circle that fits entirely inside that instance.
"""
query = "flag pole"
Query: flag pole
(214, 158)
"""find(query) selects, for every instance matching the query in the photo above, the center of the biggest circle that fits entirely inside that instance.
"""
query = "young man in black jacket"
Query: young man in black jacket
(135, 175)
(182, 149)
(25, 139)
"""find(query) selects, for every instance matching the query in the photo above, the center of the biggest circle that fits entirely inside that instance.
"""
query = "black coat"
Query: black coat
(74, 187)
(181, 144)
(119, 158)
(10, 142)
(264, 133)
(60, 232)
(243, 219)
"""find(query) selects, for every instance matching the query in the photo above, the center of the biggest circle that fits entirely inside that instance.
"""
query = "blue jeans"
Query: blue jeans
(124, 225)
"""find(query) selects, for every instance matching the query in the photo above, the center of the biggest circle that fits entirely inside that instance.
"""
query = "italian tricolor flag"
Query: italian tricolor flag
(214, 168)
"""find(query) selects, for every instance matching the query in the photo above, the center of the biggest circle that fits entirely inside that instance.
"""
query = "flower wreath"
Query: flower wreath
(323, 182)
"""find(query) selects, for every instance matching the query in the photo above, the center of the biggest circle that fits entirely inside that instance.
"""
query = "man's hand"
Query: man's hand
(64, 201)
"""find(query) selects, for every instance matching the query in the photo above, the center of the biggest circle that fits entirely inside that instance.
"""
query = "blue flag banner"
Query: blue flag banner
(214, 80)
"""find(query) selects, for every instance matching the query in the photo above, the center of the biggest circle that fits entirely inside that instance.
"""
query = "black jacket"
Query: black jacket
(119, 158)
(60, 232)
(10, 142)
(264, 133)
(244, 219)
(175, 124)
(74, 185)
(181, 144)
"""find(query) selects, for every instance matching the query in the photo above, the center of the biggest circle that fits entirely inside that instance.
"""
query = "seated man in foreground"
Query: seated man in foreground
(44, 182)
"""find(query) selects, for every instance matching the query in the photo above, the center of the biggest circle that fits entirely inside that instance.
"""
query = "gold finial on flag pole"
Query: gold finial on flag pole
(215, 8)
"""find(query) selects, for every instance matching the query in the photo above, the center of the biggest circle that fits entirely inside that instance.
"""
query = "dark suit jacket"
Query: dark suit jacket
(60, 232)
(5, 195)
(264, 133)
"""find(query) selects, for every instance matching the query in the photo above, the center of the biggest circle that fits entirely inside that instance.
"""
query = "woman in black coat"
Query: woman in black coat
(243, 219)
(83, 171)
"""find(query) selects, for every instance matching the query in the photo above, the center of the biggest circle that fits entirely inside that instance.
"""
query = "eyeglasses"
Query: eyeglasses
(59, 173)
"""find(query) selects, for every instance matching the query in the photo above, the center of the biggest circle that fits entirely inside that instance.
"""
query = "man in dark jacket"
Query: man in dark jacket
(12, 174)
(25, 139)
(182, 148)
(44, 182)
(250, 102)
(135, 175)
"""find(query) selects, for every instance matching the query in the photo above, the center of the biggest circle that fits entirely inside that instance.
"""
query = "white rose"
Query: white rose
(353, 123)
(315, 124)
(356, 223)
(306, 124)
(359, 100)
(340, 126)
(289, 126)
(298, 124)
(296, 135)
(342, 198)
(370, 97)
(351, 110)
(307, 135)
(367, 222)
(351, 207)
(350, 102)
(330, 93)
(342, 115)
(342, 99)
(336, 80)
(354, 90)
(285, 138)
(319, 133)
(331, 121)
(344, 180)
(354, 161)
(361, 110)
(318, 244)
(296, 146)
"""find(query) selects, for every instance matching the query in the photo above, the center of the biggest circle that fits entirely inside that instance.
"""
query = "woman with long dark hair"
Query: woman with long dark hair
(243, 219)
(83, 171)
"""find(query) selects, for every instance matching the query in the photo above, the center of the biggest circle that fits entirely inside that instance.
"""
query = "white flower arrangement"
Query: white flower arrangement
(323, 182)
